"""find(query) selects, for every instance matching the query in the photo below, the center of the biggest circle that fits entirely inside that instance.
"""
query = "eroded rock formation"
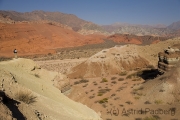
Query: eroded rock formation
(168, 59)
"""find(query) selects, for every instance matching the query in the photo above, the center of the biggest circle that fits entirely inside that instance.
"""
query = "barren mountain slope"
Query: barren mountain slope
(21, 75)
(39, 38)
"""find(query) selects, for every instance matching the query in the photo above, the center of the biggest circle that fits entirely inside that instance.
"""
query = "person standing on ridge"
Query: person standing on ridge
(15, 53)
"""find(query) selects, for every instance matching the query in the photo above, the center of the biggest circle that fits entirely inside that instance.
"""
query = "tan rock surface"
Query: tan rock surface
(23, 74)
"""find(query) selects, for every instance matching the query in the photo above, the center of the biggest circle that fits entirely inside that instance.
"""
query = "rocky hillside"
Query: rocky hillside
(136, 29)
(174, 26)
(66, 19)
(27, 92)
(40, 38)
(85, 27)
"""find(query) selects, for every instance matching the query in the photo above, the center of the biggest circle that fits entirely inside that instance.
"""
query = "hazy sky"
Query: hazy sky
(105, 11)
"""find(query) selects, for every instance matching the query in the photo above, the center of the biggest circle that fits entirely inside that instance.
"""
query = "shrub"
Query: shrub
(100, 94)
(120, 79)
(113, 78)
(85, 85)
(91, 97)
(136, 97)
(25, 96)
(77, 82)
(129, 102)
(147, 102)
(105, 100)
(83, 81)
(150, 118)
(113, 95)
(114, 82)
(123, 73)
(158, 101)
(104, 80)
(36, 75)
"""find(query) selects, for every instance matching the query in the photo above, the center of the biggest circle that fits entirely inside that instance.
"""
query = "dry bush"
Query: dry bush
(100, 94)
(147, 102)
(114, 82)
(158, 102)
(150, 118)
(91, 97)
(25, 96)
(36, 75)
(83, 81)
(85, 85)
(77, 82)
(105, 100)
(129, 102)
(113, 78)
(104, 80)
(137, 97)
(120, 79)
(123, 73)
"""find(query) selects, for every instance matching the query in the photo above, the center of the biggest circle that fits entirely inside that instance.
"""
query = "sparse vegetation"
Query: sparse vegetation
(103, 91)
(85, 85)
(136, 74)
(81, 81)
(113, 78)
(150, 118)
(105, 100)
(147, 102)
(104, 80)
(36, 75)
(123, 73)
(120, 79)
(137, 97)
(91, 97)
(114, 82)
(25, 96)
(158, 102)
(129, 102)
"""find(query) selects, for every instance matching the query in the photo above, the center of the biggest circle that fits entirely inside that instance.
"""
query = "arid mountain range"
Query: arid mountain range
(85, 27)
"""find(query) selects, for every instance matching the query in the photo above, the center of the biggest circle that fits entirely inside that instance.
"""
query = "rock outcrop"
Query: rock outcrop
(168, 59)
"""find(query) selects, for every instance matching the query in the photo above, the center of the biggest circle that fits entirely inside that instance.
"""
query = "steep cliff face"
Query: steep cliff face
(110, 61)
(22, 75)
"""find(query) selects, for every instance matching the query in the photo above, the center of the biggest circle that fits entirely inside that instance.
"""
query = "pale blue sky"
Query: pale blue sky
(105, 11)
